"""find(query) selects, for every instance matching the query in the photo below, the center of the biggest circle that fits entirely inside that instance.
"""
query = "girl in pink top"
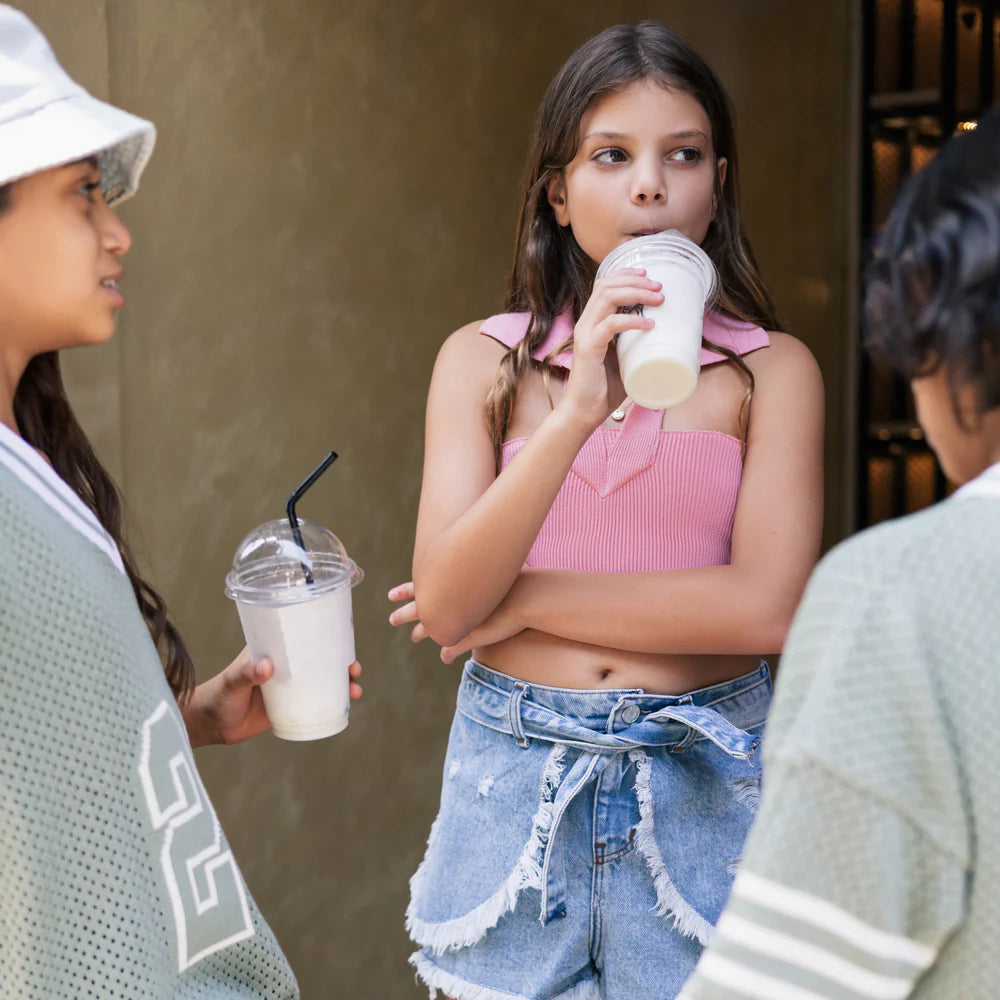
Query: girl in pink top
(615, 572)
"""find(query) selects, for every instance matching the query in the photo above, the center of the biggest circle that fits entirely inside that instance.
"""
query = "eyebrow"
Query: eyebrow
(691, 133)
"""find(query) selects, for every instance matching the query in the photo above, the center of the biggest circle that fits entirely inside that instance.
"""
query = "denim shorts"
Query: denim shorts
(587, 840)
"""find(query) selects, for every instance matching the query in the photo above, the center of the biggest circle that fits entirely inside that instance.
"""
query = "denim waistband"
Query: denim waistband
(602, 724)
(615, 720)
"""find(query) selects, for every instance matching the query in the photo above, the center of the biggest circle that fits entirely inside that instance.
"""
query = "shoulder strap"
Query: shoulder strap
(737, 335)
(510, 328)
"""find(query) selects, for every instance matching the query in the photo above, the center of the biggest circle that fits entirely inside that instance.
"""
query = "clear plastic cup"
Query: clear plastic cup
(306, 628)
(659, 367)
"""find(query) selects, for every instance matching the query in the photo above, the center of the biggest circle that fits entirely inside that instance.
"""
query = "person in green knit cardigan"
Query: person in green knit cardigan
(873, 868)
(115, 877)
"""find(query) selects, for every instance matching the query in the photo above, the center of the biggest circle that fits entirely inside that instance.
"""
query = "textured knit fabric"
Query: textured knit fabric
(115, 878)
(873, 870)
(638, 498)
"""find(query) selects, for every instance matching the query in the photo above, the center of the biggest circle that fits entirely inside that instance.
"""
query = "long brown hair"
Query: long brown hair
(551, 273)
(47, 422)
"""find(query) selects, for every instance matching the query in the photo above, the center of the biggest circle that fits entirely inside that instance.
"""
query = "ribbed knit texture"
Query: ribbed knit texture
(641, 499)
(638, 498)
(102, 814)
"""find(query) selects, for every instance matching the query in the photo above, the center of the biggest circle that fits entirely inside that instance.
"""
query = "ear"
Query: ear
(557, 199)
(721, 164)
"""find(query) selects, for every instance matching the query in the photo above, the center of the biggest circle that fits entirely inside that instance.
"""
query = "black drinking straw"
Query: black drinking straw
(297, 496)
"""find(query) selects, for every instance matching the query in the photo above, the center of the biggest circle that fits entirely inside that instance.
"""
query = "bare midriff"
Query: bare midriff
(540, 658)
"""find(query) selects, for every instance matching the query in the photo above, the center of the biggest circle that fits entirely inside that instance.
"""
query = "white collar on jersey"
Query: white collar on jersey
(24, 462)
(986, 484)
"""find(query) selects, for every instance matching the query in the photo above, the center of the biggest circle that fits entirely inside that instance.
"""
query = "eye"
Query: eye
(88, 189)
(688, 154)
(611, 155)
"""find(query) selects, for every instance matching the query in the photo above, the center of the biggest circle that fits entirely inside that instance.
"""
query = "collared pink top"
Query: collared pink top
(639, 498)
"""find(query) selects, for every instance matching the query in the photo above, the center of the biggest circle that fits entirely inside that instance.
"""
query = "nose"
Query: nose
(115, 236)
(648, 183)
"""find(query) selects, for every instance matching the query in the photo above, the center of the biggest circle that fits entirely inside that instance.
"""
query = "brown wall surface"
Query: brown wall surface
(333, 191)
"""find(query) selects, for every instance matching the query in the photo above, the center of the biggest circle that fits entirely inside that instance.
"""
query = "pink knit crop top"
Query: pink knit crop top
(639, 498)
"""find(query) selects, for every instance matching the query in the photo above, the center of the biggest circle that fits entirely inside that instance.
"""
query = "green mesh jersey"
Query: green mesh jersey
(873, 870)
(115, 878)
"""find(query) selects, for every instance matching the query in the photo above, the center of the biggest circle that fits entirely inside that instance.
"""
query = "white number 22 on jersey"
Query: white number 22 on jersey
(207, 894)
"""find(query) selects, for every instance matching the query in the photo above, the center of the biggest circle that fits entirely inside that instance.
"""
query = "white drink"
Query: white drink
(659, 367)
(311, 645)
(294, 600)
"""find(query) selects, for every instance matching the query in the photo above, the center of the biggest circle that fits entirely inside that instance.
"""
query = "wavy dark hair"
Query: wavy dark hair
(47, 422)
(551, 272)
(932, 291)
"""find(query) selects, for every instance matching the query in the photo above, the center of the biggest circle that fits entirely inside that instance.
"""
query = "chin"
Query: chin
(93, 337)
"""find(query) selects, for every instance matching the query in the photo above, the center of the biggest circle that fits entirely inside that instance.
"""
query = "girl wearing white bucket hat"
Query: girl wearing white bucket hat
(115, 877)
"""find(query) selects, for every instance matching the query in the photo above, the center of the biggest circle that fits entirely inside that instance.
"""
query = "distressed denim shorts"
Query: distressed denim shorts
(586, 840)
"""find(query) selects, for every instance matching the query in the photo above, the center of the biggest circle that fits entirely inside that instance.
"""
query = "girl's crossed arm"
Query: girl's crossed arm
(743, 607)
(475, 528)
(747, 605)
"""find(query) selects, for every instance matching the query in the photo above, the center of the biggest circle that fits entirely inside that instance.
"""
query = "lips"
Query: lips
(645, 232)
(110, 285)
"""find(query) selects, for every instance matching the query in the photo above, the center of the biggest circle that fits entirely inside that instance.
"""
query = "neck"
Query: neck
(991, 429)
(11, 370)
(988, 452)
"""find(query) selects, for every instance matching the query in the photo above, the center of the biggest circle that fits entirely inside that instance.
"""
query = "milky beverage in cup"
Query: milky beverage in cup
(659, 367)
(294, 603)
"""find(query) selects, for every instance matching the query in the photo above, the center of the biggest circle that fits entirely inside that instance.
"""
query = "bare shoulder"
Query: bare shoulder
(469, 344)
(787, 359)
(470, 353)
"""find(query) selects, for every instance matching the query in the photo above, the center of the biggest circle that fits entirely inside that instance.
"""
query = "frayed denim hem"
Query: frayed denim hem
(670, 903)
(451, 935)
(460, 989)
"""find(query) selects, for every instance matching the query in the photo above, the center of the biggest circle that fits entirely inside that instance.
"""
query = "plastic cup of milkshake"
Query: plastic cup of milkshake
(293, 595)
(660, 366)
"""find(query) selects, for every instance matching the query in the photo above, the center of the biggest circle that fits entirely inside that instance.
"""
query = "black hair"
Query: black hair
(47, 422)
(933, 285)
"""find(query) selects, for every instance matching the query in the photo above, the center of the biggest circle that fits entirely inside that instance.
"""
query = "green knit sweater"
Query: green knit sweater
(115, 878)
(873, 870)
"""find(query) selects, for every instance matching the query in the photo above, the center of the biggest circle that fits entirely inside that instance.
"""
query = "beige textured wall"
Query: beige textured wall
(334, 191)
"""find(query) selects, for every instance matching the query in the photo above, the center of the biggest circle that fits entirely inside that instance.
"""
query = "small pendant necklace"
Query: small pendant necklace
(619, 415)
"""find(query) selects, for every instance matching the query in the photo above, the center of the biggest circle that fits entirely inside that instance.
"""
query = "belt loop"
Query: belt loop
(514, 713)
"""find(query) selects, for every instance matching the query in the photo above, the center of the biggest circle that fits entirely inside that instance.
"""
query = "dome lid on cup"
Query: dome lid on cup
(670, 244)
(271, 567)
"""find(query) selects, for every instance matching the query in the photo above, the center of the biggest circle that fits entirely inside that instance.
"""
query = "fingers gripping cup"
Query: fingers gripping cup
(292, 580)
(660, 367)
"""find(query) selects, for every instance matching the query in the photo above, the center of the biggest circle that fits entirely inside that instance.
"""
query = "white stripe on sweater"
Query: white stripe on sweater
(832, 919)
(740, 982)
(25, 463)
(812, 958)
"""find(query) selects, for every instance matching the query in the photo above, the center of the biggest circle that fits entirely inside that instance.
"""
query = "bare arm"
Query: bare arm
(743, 607)
(474, 528)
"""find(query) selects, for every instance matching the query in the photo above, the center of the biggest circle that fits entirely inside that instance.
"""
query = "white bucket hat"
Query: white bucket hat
(47, 120)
